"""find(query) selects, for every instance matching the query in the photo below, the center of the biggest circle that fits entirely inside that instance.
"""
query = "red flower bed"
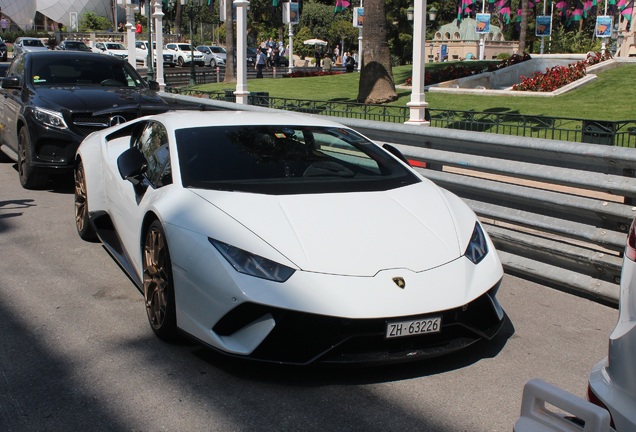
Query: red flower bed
(559, 76)
(553, 78)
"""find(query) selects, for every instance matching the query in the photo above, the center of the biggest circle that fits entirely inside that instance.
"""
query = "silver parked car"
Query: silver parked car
(612, 382)
(213, 55)
(28, 44)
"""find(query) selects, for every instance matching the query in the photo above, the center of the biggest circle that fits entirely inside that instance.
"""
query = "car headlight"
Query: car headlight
(49, 118)
(478, 247)
(253, 265)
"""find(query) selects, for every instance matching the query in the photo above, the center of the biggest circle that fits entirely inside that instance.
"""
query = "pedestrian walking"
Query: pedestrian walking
(3, 24)
(261, 61)
(138, 28)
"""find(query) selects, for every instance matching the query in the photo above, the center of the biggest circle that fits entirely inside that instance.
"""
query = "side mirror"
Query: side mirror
(12, 82)
(132, 165)
(153, 85)
(395, 152)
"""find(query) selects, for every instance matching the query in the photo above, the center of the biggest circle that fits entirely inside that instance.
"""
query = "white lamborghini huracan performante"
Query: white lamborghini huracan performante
(287, 238)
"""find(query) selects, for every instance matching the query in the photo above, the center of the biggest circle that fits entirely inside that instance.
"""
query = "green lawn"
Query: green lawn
(610, 97)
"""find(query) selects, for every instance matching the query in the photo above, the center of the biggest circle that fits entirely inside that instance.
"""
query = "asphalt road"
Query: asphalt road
(76, 352)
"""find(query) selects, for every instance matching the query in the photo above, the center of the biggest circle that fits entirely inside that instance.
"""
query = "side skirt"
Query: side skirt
(106, 232)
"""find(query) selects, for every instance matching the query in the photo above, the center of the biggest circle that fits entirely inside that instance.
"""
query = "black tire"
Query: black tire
(180, 62)
(82, 221)
(158, 284)
(30, 177)
(212, 63)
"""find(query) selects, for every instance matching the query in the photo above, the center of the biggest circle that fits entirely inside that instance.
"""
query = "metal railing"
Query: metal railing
(614, 133)
(557, 211)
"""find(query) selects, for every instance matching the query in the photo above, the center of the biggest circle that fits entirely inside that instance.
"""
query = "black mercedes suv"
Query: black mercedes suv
(53, 99)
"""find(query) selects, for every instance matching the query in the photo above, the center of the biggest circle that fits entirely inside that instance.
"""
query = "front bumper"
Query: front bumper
(303, 338)
(54, 149)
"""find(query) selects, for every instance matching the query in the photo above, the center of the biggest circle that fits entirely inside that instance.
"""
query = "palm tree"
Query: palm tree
(230, 45)
(523, 26)
(376, 79)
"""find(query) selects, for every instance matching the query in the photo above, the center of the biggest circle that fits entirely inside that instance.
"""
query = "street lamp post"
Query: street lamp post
(241, 92)
(158, 16)
(290, 53)
(150, 59)
(417, 105)
(130, 35)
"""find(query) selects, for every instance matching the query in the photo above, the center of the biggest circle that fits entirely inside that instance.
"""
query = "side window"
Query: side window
(337, 148)
(153, 144)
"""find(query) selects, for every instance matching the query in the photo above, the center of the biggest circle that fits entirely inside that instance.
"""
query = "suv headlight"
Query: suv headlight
(478, 247)
(253, 265)
(50, 118)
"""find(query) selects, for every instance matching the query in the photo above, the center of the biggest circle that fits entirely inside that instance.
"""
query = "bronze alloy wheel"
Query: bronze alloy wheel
(82, 221)
(158, 289)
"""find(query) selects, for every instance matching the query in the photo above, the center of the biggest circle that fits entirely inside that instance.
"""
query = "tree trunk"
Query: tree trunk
(177, 20)
(230, 45)
(523, 26)
(376, 78)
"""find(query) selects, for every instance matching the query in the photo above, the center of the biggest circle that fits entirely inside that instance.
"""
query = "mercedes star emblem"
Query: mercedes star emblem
(116, 120)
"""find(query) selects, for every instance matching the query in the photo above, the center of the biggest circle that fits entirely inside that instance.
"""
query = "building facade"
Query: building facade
(48, 14)
(461, 42)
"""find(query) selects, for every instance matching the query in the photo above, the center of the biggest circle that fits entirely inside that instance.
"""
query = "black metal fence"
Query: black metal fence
(613, 133)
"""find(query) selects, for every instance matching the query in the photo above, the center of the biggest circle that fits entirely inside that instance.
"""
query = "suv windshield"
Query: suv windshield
(285, 160)
(84, 71)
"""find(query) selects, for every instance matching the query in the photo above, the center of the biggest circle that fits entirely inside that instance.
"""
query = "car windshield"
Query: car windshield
(184, 47)
(33, 43)
(81, 46)
(285, 160)
(115, 46)
(83, 71)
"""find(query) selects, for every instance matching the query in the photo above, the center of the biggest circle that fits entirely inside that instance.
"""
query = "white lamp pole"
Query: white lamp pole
(417, 105)
(130, 35)
(158, 16)
(290, 54)
(241, 92)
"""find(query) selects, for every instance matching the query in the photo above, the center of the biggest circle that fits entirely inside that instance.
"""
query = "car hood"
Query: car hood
(356, 234)
(93, 98)
(32, 49)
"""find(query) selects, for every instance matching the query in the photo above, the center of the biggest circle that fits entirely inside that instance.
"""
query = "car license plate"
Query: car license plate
(413, 327)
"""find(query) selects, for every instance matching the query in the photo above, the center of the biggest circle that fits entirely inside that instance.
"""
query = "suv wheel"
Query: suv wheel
(180, 61)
